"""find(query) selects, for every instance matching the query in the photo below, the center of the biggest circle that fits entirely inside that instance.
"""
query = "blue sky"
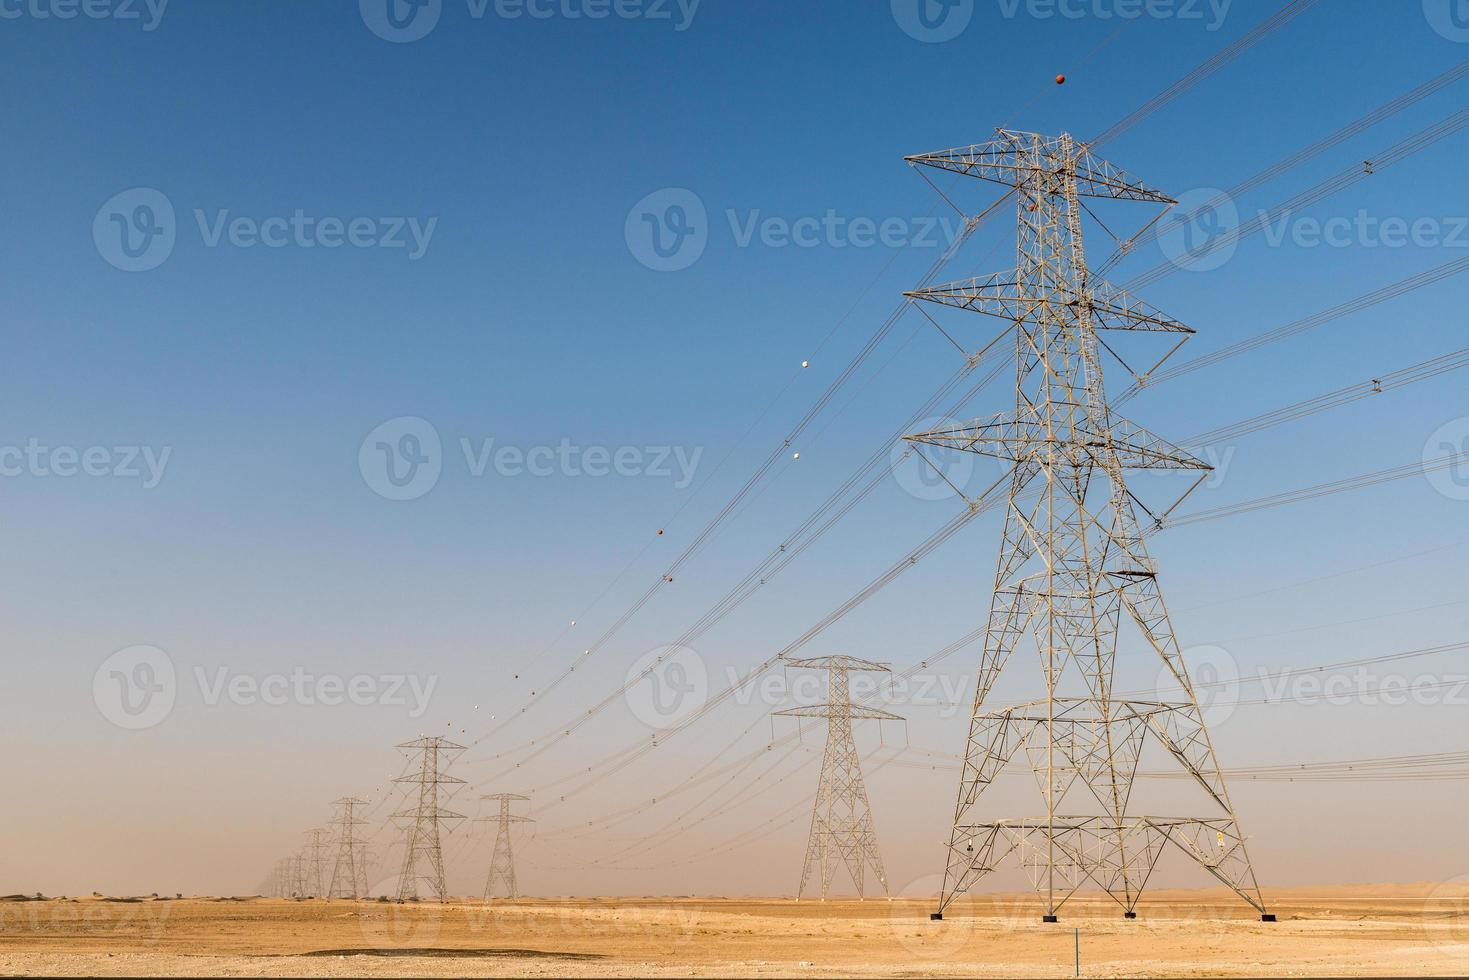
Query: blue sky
(525, 143)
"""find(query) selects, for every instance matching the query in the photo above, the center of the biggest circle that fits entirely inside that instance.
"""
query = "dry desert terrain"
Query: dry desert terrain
(1357, 930)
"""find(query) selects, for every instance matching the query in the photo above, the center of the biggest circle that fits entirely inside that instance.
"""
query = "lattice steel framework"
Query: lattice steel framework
(841, 819)
(423, 853)
(347, 873)
(502, 861)
(315, 884)
(299, 875)
(1073, 561)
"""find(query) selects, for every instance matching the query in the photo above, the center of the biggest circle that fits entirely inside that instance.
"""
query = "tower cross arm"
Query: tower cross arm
(1005, 296)
(839, 711)
(1022, 159)
(1004, 436)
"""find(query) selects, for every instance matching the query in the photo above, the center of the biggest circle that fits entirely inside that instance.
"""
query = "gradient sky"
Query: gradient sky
(529, 320)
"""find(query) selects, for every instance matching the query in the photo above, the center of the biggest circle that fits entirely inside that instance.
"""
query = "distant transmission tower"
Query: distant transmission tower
(346, 880)
(299, 878)
(423, 857)
(841, 819)
(364, 863)
(1072, 561)
(280, 878)
(315, 882)
(502, 862)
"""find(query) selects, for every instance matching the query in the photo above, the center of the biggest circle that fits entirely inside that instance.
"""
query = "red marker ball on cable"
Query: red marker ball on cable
(1060, 79)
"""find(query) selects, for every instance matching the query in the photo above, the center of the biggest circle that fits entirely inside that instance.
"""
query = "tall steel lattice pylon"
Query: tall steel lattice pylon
(502, 862)
(315, 883)
(300, 886)
(346, 879)
(423, 852)
(841, 819)
(1072, 561)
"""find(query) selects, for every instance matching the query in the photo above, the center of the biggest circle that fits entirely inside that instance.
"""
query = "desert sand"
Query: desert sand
(1352, 930)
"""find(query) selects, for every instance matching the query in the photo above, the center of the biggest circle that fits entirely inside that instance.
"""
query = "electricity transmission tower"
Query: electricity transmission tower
(346, 880)
(364, 862)
(502, 862)
(1073, 561)
(423, 857)
(298, 877)
(841, 818)
(280, 879)
(315, 874)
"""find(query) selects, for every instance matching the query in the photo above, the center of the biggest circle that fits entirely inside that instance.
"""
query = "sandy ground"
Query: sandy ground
(1363, 930)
